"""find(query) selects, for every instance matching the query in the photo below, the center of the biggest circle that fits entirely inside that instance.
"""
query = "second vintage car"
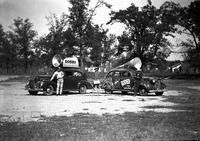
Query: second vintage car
(123, 79)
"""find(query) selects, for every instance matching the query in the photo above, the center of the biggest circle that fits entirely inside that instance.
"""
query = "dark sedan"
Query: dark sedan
(122, 79)
(74, 80)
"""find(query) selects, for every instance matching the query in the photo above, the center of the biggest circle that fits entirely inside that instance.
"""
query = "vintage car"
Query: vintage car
(74, 79)
(122, 79)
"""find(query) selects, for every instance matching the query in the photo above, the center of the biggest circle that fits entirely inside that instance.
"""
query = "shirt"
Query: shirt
(58, 74)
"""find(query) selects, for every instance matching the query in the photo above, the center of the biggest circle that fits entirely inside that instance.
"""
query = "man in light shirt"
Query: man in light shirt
(59, 76)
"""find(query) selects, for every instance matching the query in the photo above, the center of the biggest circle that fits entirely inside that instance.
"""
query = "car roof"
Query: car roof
(71, 69)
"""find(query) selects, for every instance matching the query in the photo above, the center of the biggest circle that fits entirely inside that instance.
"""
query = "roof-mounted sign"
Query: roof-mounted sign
(71, 62)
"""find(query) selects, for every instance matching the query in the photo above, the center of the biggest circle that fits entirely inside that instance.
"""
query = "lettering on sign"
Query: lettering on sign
(125, 82)
(70, 61)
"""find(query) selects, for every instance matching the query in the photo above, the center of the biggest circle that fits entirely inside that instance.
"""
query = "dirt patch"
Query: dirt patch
(15, 102)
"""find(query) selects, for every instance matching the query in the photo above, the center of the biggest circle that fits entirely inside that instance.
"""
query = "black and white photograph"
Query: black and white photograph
(99, 70)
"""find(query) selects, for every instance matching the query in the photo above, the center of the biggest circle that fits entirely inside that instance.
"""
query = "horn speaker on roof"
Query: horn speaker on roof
(56, 60)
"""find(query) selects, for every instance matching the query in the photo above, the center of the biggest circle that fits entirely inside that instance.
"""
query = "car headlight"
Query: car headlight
(154, 81)
(41, 83)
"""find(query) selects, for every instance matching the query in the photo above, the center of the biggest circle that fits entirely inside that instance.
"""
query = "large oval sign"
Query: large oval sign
(71, 62)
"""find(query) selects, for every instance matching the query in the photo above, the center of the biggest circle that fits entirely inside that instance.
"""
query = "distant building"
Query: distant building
(183, 67)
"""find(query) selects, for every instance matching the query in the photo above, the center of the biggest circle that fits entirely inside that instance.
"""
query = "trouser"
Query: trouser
(136, 86)
(59, 88)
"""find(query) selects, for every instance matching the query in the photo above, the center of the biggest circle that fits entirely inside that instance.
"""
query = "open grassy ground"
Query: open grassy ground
(182, 125)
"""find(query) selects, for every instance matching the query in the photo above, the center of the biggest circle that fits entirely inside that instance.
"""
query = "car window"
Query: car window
(126, 74)
(116, 74)
(68, 74)
(109, 74)
(77, 74)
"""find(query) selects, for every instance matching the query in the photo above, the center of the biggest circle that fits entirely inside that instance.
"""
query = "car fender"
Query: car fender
(47, 83)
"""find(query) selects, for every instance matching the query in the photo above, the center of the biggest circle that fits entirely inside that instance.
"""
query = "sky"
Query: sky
(37, 10)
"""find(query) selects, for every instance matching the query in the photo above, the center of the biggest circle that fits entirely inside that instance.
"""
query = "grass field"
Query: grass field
(184, 125)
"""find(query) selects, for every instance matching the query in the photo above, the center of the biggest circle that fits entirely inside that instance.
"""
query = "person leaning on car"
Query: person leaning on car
(59, 76)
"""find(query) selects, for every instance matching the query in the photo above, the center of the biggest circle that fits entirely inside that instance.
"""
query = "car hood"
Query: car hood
(41, 77)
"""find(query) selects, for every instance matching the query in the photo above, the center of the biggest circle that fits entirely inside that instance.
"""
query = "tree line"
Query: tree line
(145, 36)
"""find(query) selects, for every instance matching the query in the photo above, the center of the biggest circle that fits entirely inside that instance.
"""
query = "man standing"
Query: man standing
(137, 81)
(59, 76)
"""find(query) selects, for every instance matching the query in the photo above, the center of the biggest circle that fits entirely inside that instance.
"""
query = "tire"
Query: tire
(82, 89)
(108, 91)
(159, 93)
(33, 92)
(124, 92)
(49, 90)
(143, 91)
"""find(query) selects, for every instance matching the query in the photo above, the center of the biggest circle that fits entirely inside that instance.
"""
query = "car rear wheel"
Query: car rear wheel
(143, 91)
(49, 90)
(33, 92)
(108, 91)
(159, 93)
(82, 89)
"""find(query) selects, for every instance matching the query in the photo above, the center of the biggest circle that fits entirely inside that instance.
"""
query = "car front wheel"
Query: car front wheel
(49, 90)
(143, 91)
(159, 93)
(82, 89)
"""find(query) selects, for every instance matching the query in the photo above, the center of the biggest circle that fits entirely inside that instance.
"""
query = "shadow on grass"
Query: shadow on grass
(126, 127)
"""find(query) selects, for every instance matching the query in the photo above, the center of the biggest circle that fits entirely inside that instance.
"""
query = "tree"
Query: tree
(8, 55)
(22, 36)
(146, 31)
(80, 21)
(3, 48)
(189, 19)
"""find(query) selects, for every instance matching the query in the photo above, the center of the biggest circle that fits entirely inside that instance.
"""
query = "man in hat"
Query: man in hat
(59, 76)
(137, 81)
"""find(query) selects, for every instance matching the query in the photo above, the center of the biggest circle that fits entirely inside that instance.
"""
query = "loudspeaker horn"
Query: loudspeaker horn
(56, 60)
(136, 62)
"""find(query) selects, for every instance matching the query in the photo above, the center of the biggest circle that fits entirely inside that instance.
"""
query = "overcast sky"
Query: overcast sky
(37, 10)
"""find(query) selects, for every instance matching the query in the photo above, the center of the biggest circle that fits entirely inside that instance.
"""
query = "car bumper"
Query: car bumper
(35, 89)
(153, 91)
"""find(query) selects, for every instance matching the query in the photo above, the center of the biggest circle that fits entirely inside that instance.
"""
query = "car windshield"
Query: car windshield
(126, 74)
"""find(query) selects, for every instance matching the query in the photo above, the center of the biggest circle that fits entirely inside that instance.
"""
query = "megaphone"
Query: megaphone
(56, 60)
(135, 62)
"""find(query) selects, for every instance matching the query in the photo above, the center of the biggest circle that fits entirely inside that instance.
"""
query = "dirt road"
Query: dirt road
(17, 105)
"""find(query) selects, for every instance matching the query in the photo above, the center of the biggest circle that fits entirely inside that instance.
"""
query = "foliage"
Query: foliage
(146, 31)
(21, 39)
(189, 19)
(87, 34)
(5, 51)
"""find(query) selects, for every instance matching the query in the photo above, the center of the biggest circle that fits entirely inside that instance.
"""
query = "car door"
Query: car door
(116, 79)
(77, 76)
(125, 80)
(67, 80)
(71, 79)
